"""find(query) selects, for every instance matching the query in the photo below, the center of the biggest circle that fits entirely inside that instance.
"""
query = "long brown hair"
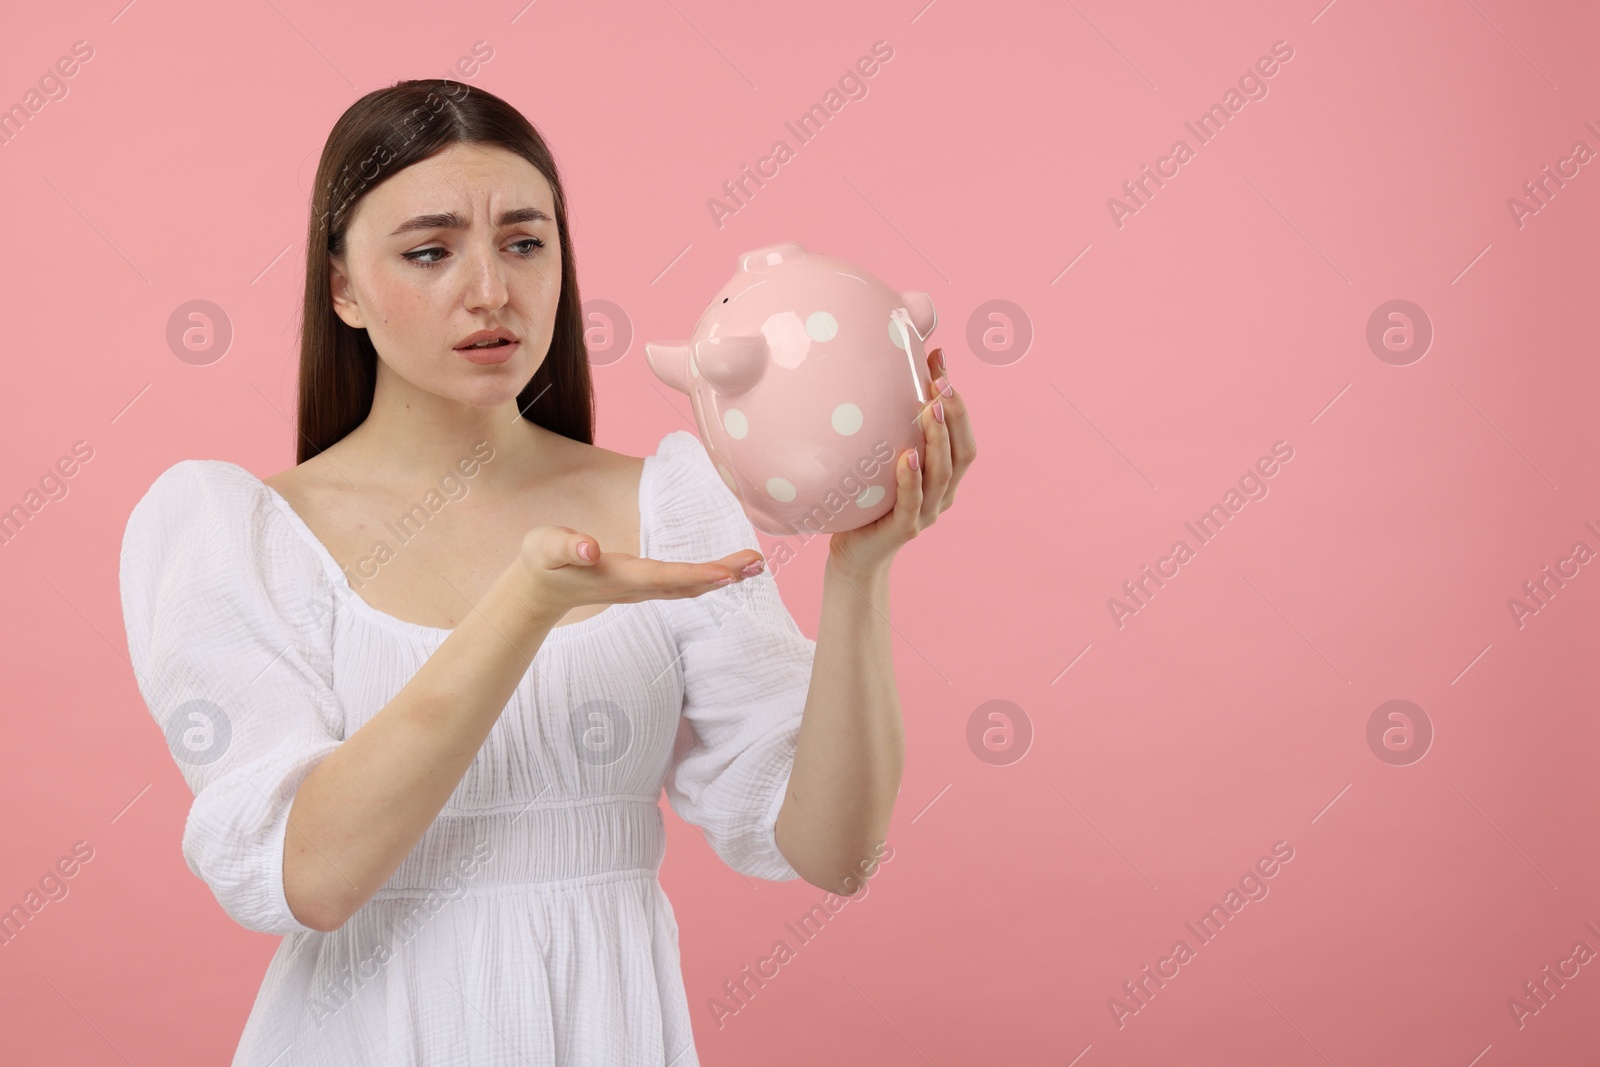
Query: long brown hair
(379, 135)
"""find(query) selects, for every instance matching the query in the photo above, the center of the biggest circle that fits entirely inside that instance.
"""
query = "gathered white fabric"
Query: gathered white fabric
(527, 926)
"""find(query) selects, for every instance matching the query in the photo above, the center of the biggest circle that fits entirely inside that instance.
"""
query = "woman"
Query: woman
(427, 686)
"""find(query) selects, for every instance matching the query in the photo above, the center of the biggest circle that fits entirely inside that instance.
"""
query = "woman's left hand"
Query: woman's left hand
(924, 489)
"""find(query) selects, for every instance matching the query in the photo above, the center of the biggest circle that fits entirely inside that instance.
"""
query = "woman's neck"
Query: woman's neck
(413, 437)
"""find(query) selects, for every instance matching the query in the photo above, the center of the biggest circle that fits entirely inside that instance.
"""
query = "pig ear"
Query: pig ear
(670, 361)
(923, 315)
(732, 365)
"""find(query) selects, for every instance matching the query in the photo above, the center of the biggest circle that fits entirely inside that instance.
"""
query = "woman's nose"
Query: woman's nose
(486, 286)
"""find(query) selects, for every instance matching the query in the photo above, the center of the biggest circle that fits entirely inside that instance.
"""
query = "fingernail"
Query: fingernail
(940, 353)
(938, 410)
(723, 581)
(916, 464)
(942, 386)
(754, 568)
(584, 551)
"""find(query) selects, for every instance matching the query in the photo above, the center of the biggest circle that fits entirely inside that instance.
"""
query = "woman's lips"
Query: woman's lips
(486, 356)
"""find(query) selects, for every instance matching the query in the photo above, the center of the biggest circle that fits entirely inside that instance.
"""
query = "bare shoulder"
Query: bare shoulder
(286, 482)
(617, 466)
(589, 466)
(301, 484)
(599, 490)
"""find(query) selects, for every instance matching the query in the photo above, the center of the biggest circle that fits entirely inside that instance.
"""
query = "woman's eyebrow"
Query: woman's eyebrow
(450, 220)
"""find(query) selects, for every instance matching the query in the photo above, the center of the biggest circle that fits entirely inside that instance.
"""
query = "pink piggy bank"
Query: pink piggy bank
(806, 375)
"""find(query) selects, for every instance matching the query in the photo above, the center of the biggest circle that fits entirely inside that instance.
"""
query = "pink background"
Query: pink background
(1229, 313)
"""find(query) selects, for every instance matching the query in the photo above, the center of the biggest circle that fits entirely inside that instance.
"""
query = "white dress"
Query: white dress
(527, 926)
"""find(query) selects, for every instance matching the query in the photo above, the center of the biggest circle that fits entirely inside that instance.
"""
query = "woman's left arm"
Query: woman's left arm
(851, 746)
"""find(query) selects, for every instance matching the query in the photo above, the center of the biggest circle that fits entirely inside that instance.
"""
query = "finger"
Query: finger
(908, 498)
(739, 562)
(738, 566)
(675, 579)
(579, 548)
(562, 546)
(936, 476)
(958, 431)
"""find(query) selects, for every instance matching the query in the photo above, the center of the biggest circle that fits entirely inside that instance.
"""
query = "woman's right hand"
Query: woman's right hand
(560, 578)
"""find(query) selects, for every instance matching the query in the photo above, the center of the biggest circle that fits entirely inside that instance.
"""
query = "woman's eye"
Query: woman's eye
(416, 256)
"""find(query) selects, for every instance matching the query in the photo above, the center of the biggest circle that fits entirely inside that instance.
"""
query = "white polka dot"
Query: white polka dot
(735, 423)
(821, 326)
(847, 419)
(780, 489)
(870, 497)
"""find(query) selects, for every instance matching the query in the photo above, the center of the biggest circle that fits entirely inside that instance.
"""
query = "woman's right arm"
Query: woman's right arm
(361, 811)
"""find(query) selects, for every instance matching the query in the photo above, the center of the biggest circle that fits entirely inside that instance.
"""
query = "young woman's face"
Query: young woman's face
(421, 285)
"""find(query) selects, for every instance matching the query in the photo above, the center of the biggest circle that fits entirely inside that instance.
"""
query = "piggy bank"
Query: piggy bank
(806, 375)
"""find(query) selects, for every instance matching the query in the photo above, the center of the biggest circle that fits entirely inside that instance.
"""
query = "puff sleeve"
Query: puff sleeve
(235, 666)
(746, 671)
